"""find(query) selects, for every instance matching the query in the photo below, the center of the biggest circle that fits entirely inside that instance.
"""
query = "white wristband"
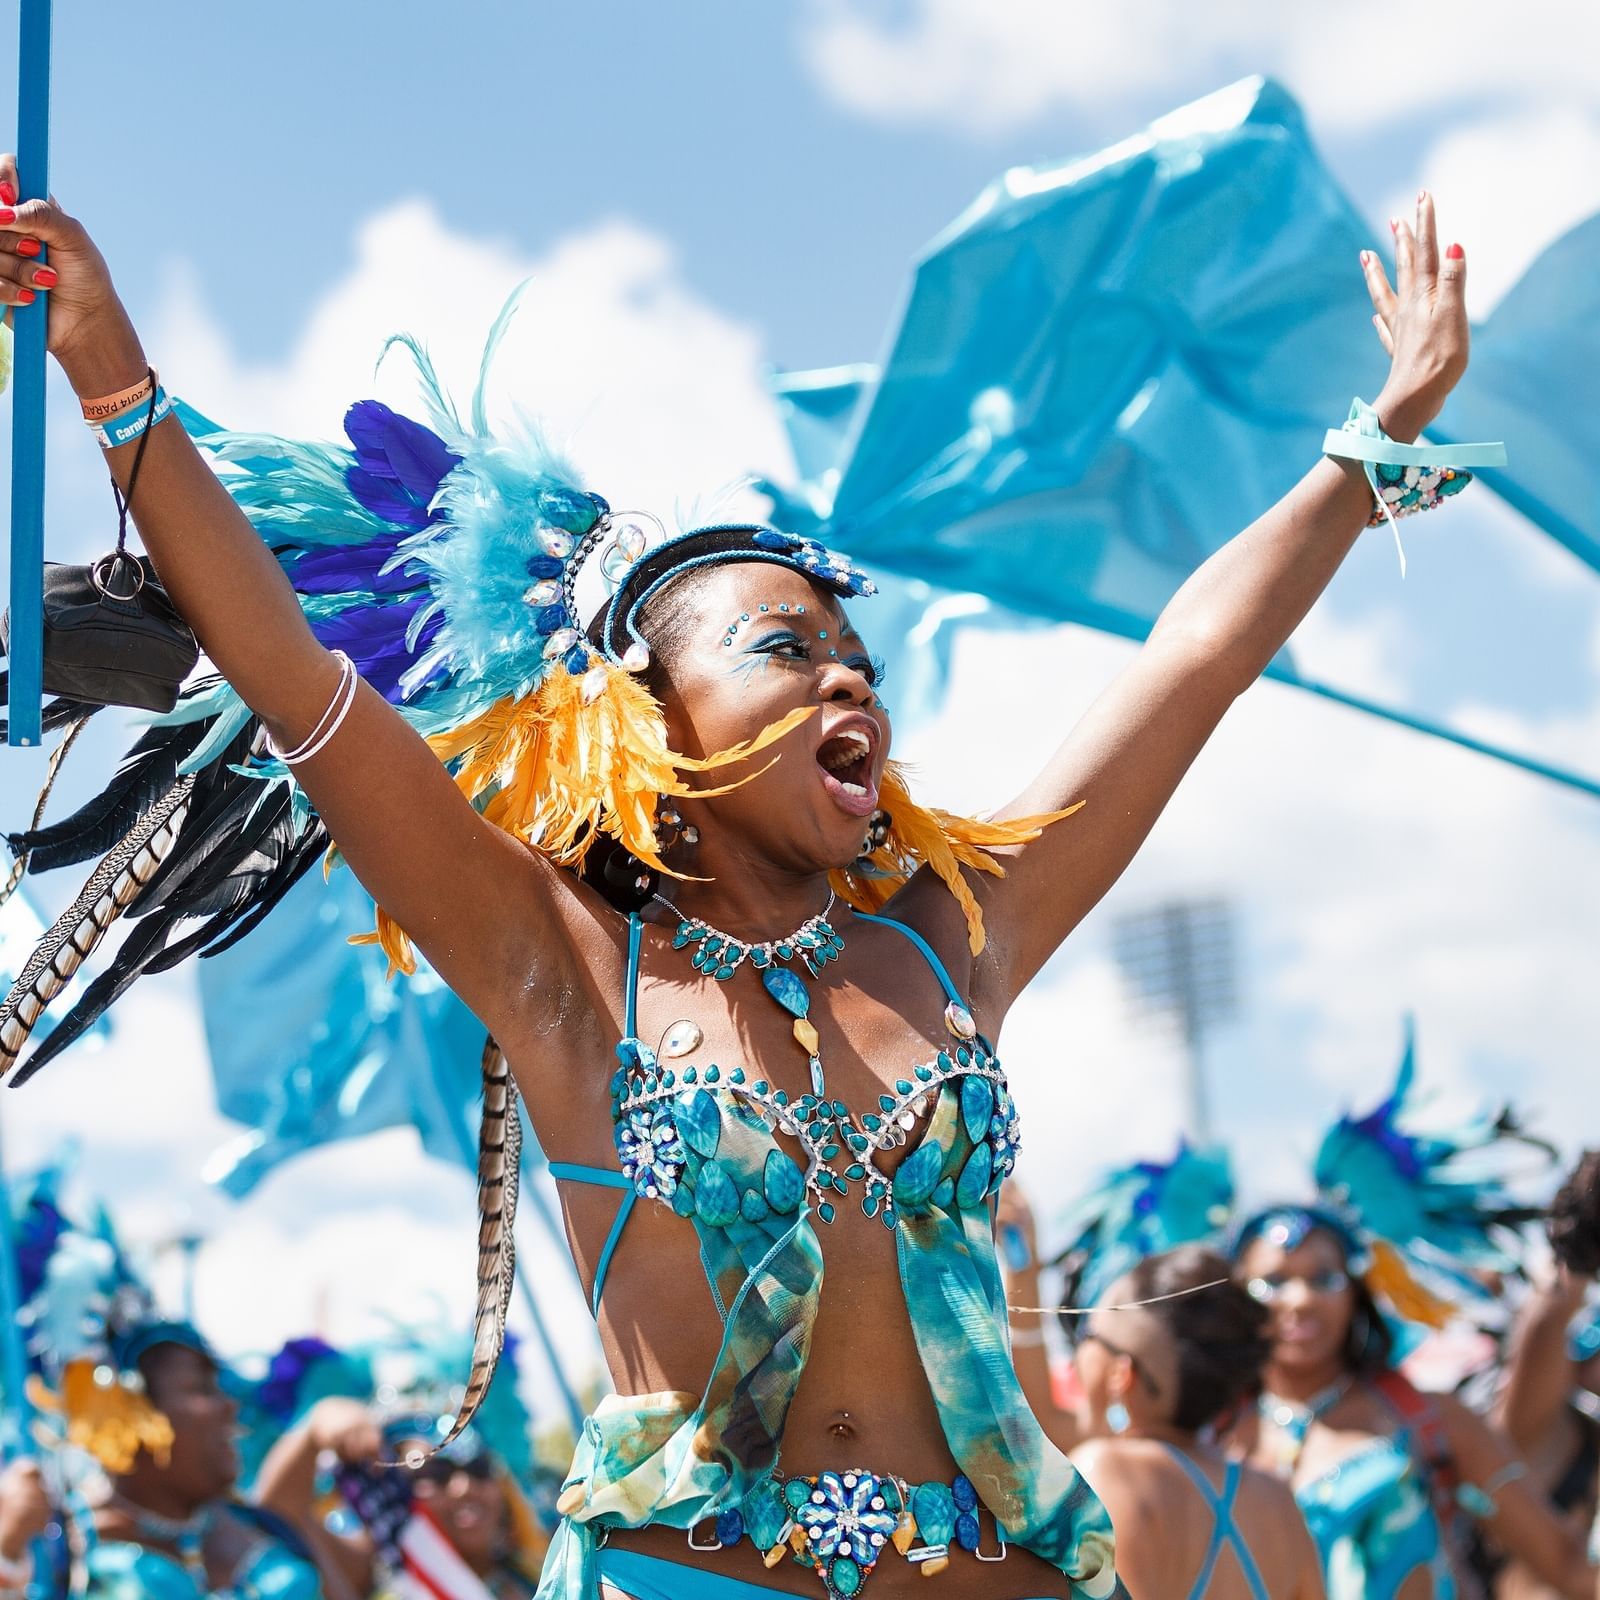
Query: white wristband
(331, 720)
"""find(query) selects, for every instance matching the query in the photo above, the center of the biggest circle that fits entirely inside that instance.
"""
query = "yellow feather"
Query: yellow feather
(943, 841)
(110, 1421)
(560, 767)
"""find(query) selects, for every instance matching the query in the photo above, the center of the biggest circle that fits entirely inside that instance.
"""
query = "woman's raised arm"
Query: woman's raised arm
(475, 901)
(1217, 635)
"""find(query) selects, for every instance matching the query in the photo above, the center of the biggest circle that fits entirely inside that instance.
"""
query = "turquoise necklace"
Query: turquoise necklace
(813, 944)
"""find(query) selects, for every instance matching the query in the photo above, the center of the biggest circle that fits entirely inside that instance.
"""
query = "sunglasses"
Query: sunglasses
(1270, 1288)
(438, 1470)
(1080, 1335)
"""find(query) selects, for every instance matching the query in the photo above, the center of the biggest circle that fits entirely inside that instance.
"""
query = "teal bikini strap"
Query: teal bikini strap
(630, 1025)
(1224, 1530)
(951, 993)
(608, 1179)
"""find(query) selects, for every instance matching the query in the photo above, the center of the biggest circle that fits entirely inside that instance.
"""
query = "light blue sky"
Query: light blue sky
(793, 158)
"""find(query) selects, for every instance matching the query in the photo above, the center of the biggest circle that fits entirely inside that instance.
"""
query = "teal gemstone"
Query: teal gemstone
(753, 1207)
(716, 1196)
(785, 950)
(857, 1172)
(901, 1086)
(724, 973)
(841, 1110)
(857, 1142)
(737, 1075)
(1388, 473)
(870, 1205)
(782, 1183)
(669, 1079)
(825, 1211)
(760, 960)
(974, 1181)
(699, 1122)
(713, 1073)
(690, 1074)
(944, 1061)
(762, 1086)
(844, 1575)
(964, 1056)
(934, 1507)
(796, 1492)
(680, 939)
(765, 1514)
(886, 1102)
(782, 1097)
(977, 1106)
(888, 1215)
(816, 1131)
(830, 1152)
(806, 939)
(924, 1073)
(916, 1176)
(807, 1103)
(713, 945)
(872, 1121)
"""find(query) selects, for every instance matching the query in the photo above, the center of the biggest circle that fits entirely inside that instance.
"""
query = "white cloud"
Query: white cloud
(989, 69)
(658, 395)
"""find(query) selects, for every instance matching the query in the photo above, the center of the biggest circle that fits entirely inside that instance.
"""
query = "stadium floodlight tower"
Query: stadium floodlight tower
(1177, 959)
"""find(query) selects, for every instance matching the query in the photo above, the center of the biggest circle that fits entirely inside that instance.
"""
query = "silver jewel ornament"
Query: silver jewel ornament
(681, 1039)
(959, 1021)
(637, 656)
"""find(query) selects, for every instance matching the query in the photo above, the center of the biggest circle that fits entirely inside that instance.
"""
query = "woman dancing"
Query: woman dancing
(676, 1052)
(1388, 1477)
(1160, 1381)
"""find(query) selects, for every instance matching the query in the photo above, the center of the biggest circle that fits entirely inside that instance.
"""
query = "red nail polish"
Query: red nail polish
(28, 247)
(44, 278)
(7, 215)
(24, 297)
(8, 195)
(1394, 224)
(1455, 252)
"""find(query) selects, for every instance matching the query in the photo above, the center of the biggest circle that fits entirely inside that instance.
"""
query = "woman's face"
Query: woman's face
(468, 1502)
(1307, 1289)
(791, 646)
(183, 1386)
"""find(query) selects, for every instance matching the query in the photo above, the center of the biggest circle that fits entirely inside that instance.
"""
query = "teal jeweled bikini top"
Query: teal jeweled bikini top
(667, 1119)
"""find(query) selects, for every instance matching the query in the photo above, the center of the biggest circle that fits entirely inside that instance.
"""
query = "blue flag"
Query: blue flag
(1107, 367)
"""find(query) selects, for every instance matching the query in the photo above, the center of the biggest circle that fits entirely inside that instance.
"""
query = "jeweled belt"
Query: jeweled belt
(840, 1523)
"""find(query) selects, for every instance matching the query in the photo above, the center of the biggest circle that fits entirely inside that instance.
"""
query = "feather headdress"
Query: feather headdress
(1419, 1207)
(87, 1319)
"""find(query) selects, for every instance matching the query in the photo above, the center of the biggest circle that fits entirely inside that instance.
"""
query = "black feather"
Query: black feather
(147, 772)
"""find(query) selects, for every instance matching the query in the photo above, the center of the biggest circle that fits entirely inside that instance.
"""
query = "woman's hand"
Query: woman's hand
(25, 1510)
(88, 330)
(1422, 323)
(346, 1428)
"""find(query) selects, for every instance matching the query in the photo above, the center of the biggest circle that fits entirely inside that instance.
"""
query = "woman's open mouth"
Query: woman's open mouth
(845, 761)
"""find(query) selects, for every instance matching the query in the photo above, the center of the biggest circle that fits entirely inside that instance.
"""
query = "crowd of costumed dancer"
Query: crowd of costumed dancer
(664, 856)
(662, 852)
(1233, 1357)
(171, 1475)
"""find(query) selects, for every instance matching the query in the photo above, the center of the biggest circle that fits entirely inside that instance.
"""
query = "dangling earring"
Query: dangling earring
(1117, 1418)
(878, 827)
(672, 830)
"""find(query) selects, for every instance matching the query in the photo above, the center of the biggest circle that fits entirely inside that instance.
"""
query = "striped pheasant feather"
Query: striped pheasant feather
(80, 928)
(499, 1167)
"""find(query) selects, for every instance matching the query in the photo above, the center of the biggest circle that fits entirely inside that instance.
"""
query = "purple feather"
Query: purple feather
(357, 569)
(399, 463)
(374, 637)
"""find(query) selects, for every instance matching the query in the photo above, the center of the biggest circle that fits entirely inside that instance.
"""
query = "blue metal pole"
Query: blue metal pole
(26, 649)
